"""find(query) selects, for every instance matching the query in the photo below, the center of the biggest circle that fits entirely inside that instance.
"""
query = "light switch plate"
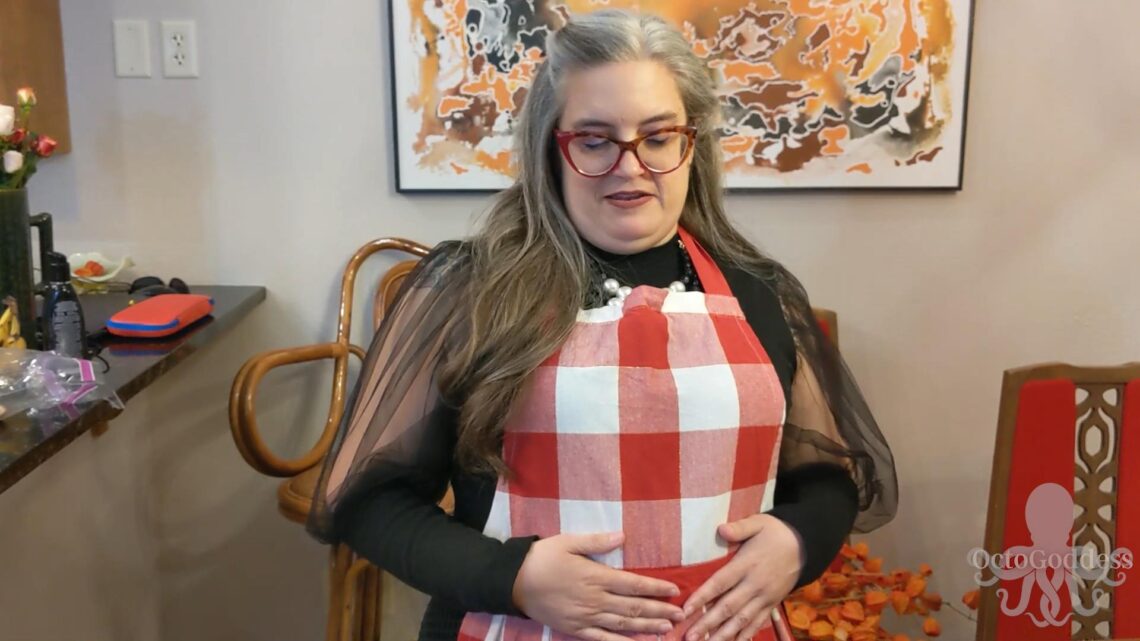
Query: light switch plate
(132, 48)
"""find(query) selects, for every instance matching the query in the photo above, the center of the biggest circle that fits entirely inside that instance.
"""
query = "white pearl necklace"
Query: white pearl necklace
(619, 292)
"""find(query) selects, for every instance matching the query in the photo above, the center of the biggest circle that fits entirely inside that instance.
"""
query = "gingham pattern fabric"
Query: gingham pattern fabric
(661, 419)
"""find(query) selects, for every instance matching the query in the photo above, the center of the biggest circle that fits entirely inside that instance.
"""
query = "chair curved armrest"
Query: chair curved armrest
(243, 411)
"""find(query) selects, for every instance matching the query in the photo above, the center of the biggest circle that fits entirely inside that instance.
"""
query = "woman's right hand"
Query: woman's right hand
(559, 587)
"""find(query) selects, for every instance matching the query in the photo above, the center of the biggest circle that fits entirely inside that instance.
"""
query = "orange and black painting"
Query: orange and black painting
(815, 93)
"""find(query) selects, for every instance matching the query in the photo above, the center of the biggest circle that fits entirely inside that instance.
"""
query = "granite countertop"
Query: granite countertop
(131, 365)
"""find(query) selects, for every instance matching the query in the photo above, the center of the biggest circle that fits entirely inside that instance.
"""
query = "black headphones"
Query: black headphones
(148, 286)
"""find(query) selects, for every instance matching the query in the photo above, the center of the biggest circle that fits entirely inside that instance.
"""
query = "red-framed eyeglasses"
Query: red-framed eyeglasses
(660, 151)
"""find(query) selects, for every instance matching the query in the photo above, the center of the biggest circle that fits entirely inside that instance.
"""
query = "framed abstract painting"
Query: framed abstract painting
(816, 94)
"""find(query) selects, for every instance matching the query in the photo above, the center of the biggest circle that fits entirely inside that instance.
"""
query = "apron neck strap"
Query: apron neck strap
(711, 277)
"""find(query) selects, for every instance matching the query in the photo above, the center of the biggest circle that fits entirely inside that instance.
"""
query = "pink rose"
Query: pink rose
(44, 146)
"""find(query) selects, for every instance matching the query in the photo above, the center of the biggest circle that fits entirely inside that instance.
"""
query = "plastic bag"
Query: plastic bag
(32, 381)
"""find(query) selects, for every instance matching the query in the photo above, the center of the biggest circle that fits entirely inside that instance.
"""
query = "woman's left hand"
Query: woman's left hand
(763, 572)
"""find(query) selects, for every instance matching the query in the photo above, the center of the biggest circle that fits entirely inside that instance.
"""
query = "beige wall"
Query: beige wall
(277, 163)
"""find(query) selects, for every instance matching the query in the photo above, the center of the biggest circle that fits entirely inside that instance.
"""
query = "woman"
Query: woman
(645, 430)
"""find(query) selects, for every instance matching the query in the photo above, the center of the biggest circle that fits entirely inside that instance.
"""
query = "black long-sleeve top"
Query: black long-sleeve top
(448, 557)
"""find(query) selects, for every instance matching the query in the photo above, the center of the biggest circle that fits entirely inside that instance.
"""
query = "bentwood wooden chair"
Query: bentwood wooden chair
(355, 584)
(1077, 428)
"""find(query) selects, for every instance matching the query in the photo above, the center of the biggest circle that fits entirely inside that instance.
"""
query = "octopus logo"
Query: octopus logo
(1050, 564)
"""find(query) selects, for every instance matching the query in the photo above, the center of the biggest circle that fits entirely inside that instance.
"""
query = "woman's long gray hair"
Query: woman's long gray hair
(530, 271)
(480, 316)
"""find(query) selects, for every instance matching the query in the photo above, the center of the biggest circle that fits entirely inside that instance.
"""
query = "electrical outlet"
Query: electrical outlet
(179, 49)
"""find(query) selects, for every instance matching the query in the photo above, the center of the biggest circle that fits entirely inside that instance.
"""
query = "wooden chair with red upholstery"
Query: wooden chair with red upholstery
(1078, 428)
(355, 585)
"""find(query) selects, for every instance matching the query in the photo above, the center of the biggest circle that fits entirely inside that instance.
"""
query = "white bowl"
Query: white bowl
(110, 268)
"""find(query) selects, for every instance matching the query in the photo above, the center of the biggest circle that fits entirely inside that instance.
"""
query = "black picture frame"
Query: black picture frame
(435, 187)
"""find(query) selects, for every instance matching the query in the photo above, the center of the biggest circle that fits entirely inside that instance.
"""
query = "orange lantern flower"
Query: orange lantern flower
(821, 631)
(900, 601)
(799, 619)
(836, 582)
(813, 592)
(852, 611)
(848, 602)
(875, 600)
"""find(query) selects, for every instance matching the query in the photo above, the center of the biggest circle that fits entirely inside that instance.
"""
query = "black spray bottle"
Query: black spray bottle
(63, 328)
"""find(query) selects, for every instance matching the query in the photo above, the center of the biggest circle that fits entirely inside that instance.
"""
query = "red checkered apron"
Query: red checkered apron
(660, 419)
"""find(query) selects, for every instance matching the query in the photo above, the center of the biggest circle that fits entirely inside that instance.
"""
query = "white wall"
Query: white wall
(277, 163)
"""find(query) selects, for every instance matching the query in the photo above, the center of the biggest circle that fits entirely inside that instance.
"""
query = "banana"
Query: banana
(10, 328)
(4, 320)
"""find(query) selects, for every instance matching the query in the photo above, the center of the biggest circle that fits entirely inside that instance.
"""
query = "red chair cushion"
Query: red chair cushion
(1126, 620)
(1043, 444)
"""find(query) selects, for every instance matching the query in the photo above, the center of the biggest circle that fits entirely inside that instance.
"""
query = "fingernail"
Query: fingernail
(665, 628)
(678, 616)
